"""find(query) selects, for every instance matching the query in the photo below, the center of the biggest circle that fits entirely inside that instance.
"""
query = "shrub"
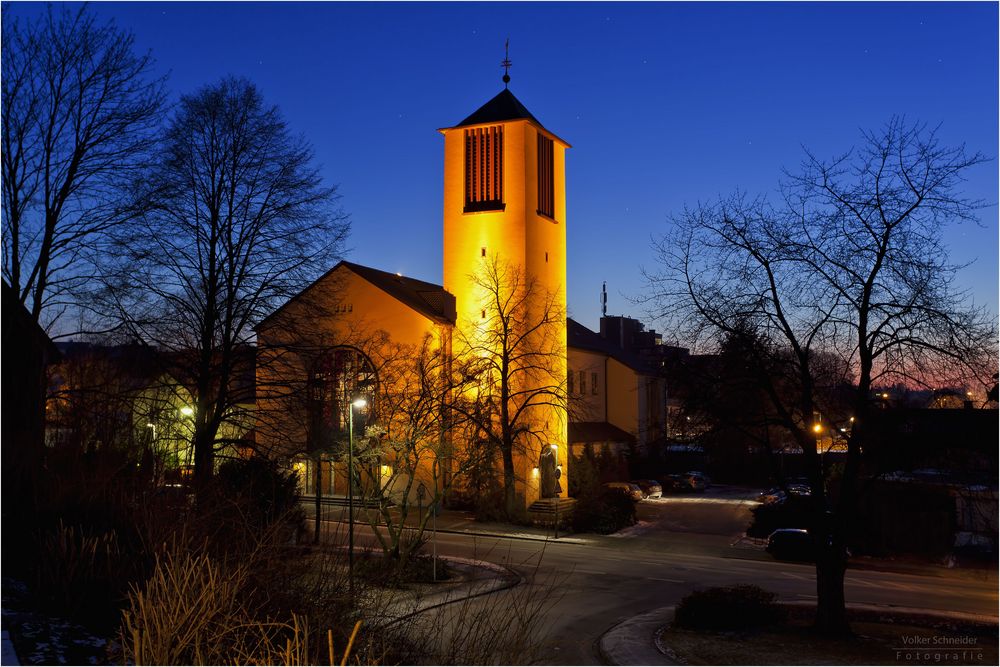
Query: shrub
(740, 607)
(264, 490)
(246, 499)
(383, 570)
(604, 511)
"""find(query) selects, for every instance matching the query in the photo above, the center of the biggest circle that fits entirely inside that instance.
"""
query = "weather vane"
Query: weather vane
(506, 62)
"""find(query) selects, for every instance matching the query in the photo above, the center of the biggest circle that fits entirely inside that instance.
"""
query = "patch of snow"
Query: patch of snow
(640, 528)
(7, 654)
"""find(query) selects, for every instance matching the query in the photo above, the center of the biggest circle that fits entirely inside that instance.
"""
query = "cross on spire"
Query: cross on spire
(506, 62)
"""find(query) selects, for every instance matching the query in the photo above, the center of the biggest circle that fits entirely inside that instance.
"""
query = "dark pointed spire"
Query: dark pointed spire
(506, 62)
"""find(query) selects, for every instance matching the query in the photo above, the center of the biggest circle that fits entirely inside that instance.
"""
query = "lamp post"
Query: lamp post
(357, 403)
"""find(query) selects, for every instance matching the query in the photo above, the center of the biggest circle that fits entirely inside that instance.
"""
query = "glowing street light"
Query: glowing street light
(357, 403)
(187, 411)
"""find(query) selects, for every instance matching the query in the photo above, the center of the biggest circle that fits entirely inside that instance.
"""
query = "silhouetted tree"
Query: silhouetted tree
(236, 221)
(517, 355)
(79, 113)
(849, 267)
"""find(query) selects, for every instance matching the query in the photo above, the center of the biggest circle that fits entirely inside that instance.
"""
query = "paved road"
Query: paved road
(612, 579)
(606, 579)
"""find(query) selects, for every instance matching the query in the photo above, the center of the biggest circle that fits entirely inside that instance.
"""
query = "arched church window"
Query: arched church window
(339, 376)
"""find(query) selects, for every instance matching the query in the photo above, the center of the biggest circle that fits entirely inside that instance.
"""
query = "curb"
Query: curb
(635, 641)
(507, 579)
(499, 535)
(520, 536)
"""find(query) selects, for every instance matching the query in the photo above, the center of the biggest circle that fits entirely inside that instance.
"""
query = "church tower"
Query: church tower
(505, 202)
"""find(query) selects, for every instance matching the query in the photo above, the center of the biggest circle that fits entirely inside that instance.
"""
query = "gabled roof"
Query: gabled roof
(503, 107)
(582, 338)
(597, 432)
(428, 299)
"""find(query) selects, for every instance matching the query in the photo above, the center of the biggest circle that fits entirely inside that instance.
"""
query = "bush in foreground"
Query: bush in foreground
(743, 607)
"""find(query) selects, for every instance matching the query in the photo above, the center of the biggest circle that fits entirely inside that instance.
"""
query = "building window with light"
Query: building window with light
(484, 169)
(546, 178)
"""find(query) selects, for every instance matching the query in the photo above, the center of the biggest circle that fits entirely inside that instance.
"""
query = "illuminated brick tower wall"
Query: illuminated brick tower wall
(505, 198)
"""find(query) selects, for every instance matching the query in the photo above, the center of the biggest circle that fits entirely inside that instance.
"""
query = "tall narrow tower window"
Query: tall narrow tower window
(484, 169)
(546, 178)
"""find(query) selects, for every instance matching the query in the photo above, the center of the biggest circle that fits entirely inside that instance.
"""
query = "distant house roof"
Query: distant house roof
(431, 300)
(582, 338)
(597, 432)
(503, 107)
(23, 328)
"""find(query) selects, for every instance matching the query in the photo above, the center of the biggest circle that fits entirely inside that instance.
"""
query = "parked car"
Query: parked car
(633, 491)
(777, 494)
(650, 488)
(770, 496)
(791, 544)
(675, 483)
(698, 481)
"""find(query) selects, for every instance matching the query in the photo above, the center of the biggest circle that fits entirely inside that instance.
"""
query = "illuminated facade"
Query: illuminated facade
(505, 202)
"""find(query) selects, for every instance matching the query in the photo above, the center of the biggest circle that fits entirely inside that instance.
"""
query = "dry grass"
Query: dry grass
(192, 612)
(284, 604)
(502, 627)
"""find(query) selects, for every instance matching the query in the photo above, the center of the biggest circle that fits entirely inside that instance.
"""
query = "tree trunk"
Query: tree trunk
(831, 611)
(509, 490)
(204, 459)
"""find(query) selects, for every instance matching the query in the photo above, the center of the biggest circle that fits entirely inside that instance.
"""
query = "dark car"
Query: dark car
(773, 495)
(675, 484)
(631, 490)
(698, 481)
(650, 488)
(791, 544)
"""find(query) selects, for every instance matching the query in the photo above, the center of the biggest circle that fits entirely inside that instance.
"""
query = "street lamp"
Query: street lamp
(357, 403)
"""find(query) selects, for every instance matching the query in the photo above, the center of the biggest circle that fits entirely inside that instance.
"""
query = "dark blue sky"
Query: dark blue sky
(664, 104)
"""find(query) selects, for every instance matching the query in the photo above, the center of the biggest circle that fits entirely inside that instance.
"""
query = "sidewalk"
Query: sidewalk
(458, 522)
(635, 641)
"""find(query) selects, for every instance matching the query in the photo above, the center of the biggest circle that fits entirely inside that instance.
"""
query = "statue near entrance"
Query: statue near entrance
(549, 473)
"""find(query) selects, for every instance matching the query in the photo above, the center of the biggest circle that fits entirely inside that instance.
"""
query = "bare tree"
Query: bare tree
(79, 113)
(412, 444)
(516, 353)
(237, 221)
(850, 266)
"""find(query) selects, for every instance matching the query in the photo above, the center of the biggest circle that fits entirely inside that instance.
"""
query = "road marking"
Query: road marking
(588, 572)
(803, 595)
(670, 581)
(796, 576)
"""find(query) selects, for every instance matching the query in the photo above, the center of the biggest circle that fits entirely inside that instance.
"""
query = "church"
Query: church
(504, 235)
